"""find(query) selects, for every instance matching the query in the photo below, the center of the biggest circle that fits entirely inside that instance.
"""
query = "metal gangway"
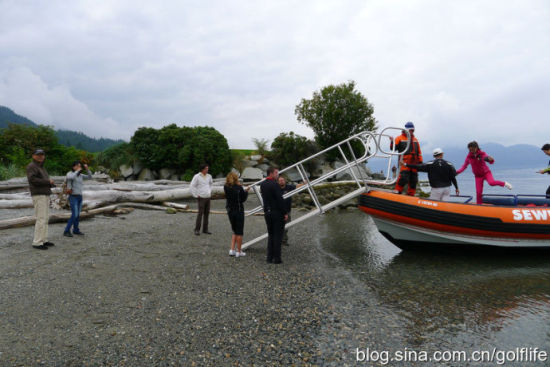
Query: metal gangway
(373, 145)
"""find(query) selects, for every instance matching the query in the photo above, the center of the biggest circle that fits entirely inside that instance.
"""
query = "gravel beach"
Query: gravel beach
(140, 290)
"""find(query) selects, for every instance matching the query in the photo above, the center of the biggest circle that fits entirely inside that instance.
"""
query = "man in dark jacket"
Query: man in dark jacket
(274, 214)
(40, 186)
(440, 174)
(286, 188)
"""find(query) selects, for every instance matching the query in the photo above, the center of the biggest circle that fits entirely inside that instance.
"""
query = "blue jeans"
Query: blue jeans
(76, 206)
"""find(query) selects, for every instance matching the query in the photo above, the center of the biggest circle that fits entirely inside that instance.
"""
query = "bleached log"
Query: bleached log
(16, 204)
(54, 218)
(19, 196)
(63, 217)
(125, 186)
(95, 199)
(140, 206)
(176, 205)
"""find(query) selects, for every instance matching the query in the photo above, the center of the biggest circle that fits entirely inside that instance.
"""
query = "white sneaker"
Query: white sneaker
(240, 254)
(232, 253)
(508, 185)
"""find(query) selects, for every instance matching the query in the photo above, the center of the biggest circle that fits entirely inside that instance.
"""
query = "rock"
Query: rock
(137, 167)
(175, 177)
(294, 176)
(146, 175)
(101, 177)
(166, 173)
(346, 175)
(126, 171)
(248, 163)
(252, 174)
(171, 211)
(101, 169)
(256, 157)
(324, 169)
(263, 167)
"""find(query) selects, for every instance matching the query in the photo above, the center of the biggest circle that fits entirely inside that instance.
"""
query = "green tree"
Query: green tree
(261, 146)
(181, 148)
(17, 142)
(206, 145)
(335, 113)
(115, 156)
(145, 145)
(24, 139)
(289, 148)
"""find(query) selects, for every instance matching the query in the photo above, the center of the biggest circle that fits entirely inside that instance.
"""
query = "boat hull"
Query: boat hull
(414, 223)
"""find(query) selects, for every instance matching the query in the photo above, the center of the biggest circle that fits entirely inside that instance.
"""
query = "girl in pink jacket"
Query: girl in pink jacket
(477, 158)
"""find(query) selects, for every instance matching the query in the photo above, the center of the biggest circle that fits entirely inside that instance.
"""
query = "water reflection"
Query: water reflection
(447, 298)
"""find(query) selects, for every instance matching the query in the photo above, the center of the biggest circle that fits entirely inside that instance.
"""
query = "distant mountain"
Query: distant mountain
(82, 141)
(7, 116)
(513, 157)
(68, 138)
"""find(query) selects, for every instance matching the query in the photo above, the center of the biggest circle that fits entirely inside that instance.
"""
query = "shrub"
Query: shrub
(237, 157)
(18, 142)
(182, 148)
(261, 146)
(209, 146)
(116, 156)
(289, 148)
(11, 171)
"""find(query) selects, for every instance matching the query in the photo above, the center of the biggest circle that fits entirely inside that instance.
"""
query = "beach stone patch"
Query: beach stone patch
(145, 291)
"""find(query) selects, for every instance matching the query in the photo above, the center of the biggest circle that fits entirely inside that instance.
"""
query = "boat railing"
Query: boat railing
(462, 199)
(371, 145)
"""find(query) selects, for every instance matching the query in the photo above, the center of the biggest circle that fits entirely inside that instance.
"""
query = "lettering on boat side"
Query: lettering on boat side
(429, 203)
(531, 214)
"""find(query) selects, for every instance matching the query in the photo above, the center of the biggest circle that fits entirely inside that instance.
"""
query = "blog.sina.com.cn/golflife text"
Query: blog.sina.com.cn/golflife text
(494, 355)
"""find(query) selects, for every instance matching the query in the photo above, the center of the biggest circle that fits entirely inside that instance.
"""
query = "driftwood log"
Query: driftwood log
(104, 198)
(55, 218)
(98, 198)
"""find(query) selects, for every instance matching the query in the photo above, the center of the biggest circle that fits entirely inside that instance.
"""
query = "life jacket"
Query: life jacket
(413, 155)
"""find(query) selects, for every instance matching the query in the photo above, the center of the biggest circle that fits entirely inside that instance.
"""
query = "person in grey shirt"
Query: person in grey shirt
(75, 183)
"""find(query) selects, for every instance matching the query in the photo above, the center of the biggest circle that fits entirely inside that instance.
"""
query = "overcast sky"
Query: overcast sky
(459, 70)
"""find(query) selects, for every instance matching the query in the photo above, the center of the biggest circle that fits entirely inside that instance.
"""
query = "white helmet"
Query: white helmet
(438, 151)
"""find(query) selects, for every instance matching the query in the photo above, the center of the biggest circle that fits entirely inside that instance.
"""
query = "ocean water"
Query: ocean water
(443, 301)
(524, 181)
(446, 302)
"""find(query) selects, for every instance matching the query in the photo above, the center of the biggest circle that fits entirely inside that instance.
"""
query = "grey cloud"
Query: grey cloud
(245, 65)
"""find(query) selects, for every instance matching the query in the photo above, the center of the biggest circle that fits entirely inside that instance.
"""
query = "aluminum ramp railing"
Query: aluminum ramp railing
(373, 148)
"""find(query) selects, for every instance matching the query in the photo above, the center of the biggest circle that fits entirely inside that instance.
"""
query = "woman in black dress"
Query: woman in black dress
(235, 196)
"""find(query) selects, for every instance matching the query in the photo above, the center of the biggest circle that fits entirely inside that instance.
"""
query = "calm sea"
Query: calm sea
(442, 301)
(524, 181)
(446, 302)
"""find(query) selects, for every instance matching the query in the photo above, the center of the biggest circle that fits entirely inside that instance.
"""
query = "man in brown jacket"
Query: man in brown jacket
(40, 186)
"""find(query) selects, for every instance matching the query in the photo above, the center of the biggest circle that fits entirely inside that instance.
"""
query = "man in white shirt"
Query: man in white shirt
(201, 188)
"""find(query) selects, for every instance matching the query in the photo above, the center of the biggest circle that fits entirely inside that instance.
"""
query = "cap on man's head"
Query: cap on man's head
(39, 152)
(438, 151)
(409, 125)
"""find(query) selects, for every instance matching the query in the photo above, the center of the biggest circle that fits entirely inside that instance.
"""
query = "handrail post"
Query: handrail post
(309, 187)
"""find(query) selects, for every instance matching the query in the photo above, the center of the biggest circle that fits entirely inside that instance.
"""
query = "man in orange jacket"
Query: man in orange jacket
(413, 155)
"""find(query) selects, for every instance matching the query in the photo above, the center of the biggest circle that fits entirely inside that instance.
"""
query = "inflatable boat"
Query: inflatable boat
(505, 222)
